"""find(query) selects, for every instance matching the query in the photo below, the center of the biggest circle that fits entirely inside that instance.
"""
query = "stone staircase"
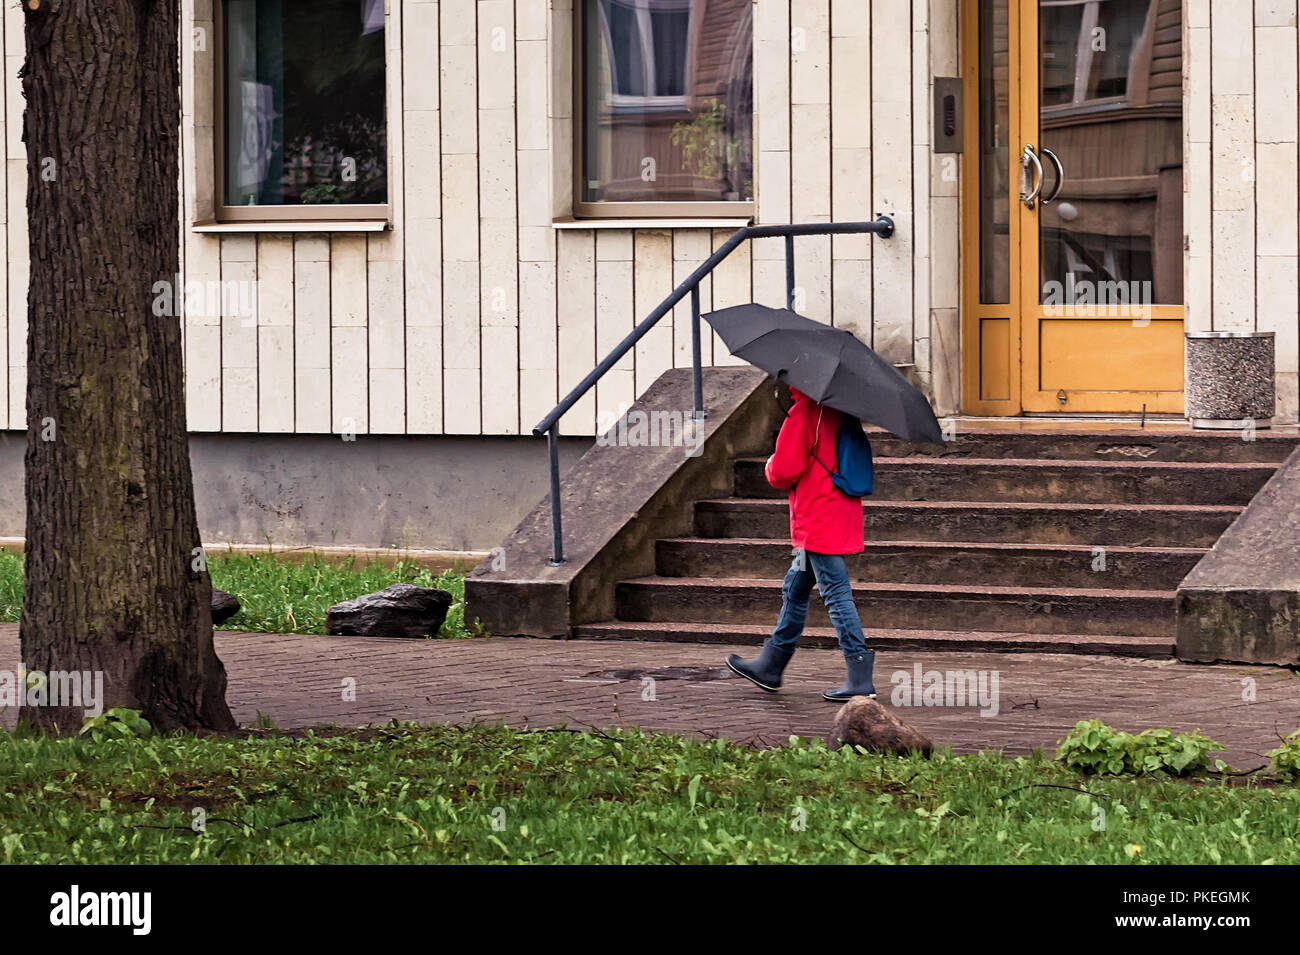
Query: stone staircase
(1050, 541)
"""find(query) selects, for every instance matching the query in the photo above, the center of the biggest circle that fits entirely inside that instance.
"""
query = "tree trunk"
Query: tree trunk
(115, 581)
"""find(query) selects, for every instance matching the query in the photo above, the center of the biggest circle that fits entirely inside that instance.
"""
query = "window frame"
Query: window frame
(253, 215)
(650, 209)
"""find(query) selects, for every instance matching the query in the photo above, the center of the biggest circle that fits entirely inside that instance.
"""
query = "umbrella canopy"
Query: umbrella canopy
(829, 365)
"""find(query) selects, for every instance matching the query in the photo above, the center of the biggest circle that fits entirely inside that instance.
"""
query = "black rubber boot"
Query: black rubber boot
(765, 669)
(859, 681)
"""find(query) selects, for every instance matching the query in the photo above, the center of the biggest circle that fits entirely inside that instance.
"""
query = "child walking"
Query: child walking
(825, 525)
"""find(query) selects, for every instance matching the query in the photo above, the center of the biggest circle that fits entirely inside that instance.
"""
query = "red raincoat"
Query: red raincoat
(823, 519)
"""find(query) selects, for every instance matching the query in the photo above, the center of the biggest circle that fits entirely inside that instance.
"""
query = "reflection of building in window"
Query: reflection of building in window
(667, 101)
(1090, 47)
(1112, 111)
(647, 42)
(372, 16)
(1099, 258)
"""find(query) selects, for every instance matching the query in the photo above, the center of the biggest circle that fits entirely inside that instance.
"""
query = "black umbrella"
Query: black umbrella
(829, 365)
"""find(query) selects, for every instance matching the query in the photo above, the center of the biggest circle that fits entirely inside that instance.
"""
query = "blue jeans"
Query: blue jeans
(831, 575)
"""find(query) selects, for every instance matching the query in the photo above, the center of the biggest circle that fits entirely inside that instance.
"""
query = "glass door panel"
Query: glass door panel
(994, 153)
(1111, 142)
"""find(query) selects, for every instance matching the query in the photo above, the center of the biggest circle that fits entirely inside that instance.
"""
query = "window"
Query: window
(665, 100)
(302, 107)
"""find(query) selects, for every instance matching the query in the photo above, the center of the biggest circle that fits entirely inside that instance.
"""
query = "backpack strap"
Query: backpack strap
(817, 436)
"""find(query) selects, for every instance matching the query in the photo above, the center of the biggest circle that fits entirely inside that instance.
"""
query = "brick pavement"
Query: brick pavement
(298, 681)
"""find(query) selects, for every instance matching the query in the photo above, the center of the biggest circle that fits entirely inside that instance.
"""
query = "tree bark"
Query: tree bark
(115, 582)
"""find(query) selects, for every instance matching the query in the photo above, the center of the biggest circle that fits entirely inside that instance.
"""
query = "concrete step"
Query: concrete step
(1142, 613)
(1093, 525)
(917, 562)
(1037, 481)
(879, 639)
(1133, 444)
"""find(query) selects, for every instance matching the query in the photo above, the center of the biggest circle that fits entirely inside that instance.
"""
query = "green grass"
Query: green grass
(279, 595)
(288, 596)
(11, 585)
(405, 794)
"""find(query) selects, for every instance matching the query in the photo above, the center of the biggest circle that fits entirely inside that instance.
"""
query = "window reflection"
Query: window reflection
(667, 102)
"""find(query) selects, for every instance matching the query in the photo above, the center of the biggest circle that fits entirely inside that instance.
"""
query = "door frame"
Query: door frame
(1002, 369)
(1012, 369)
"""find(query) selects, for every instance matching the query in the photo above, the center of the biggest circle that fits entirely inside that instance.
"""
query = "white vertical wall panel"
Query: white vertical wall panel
(385, 254)
(13, 347)
(732, 285)
(498, 217)
(461, 342)
(772, 39)
(275, 281)
(349, 344)
(387, 348)
(537, 341)
(652, 283)
(422, 271)
(200, 254)
(921, 246)
(576, 320)
(1278, 244)
(349, 391)
(850, 185)
(538, 375)
(239, 338)
(1232, 104)
(311, 329)
(891, 175)
(387, 330)
(690, 248)
(810, 152)
(1197, 215)
(17, 335)
(614, 319)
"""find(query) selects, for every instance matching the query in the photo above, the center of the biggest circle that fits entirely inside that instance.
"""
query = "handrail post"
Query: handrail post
(789, 272)
(557, 534)
(696, 374)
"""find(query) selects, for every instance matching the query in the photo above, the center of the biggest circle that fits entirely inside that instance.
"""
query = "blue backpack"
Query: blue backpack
(853, 474)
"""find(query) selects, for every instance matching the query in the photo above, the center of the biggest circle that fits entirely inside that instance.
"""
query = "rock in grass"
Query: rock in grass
(402, 610)
(224, 606)
(865, 722)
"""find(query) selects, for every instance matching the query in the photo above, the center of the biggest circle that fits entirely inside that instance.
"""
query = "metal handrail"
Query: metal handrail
(883, 226)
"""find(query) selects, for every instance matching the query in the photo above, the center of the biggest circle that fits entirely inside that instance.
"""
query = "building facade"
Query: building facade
(430, 218)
